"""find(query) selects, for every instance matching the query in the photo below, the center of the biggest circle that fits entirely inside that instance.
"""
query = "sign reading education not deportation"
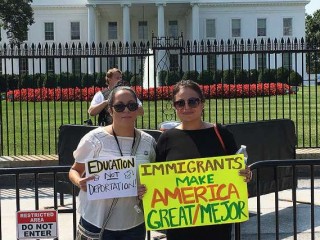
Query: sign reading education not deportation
(115, 177)
(194, 192)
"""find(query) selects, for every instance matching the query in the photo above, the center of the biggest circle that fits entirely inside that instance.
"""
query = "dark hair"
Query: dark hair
(187, 84)
(117, 89)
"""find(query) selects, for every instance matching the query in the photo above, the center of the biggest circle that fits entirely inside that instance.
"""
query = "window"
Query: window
(287, 27)
(48, 31)
(174, 63)
(173, 28)
(113, 62)
(261, 27)
(50, 65)
(23, 66)
(236, 61)
(211, 28)
(76, 65)
(212, 62)
(113, 30)
(236, 27)
(287, 60)
(143, 29)
(75, 30)
(262, 61)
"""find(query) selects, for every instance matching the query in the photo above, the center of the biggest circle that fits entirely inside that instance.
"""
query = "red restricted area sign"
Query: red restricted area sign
(37, 224)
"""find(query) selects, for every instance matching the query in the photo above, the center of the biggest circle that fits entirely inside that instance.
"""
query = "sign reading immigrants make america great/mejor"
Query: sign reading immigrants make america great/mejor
(114, 177)
(194, 192)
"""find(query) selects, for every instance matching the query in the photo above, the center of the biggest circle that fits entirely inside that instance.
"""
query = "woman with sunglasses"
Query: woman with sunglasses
(115, 218)
(194, 138)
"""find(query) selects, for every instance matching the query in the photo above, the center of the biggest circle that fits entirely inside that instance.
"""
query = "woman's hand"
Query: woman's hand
(82, 183)
(246, 173)
(142, 189)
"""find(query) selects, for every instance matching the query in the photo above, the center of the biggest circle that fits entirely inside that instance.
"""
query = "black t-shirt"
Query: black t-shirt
(176, 144)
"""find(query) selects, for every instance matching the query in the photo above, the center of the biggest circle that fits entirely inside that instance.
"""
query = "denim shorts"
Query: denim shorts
(135, 233)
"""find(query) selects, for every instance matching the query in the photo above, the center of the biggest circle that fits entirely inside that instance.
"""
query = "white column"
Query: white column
(91, 31)
(161, 61)
(126, 32)
(161, 29)
(195, 33)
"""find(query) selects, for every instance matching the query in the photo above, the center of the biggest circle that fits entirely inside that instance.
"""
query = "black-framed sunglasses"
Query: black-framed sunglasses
(192, 102)
(120, 107)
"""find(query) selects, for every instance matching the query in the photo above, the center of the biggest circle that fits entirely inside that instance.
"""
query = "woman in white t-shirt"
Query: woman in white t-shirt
(125, 220)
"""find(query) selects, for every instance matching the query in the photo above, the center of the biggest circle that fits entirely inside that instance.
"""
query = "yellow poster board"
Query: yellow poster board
(194, 192)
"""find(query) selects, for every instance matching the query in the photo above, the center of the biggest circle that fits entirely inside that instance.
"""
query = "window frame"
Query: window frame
(112, 33)
(233, 30)
(48, 33)
(259, 28)
(213, 28)
(75, 34)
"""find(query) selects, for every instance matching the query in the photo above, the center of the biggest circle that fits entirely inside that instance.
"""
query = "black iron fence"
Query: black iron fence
(291, 213)
(46, 86)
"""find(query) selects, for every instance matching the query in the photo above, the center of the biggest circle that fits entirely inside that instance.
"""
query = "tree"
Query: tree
(313, 40)
(16, 17)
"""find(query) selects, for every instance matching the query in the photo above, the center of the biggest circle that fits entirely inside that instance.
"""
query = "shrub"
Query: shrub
(241, 76)
(191, 75)
(228, 77)
(126, 76)
(173, 78)
(217, 76)
(162, 76)
(101, 80)
(267, 76)
(282, 74)
(50, 81)
(87, 80)
(253, 76)
(294, 79)
(136, 80)
(12, 82)
(26, 81)
(205, 77)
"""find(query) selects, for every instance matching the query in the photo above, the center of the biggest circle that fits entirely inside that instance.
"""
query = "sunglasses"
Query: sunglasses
(192, 102)
(120, 107)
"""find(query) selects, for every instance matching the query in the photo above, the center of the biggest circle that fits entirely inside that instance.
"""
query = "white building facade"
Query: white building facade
(102, 21)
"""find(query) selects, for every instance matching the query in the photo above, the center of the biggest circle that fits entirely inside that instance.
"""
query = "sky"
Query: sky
(312, 6)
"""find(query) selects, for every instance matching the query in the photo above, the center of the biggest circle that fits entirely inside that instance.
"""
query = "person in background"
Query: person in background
(112, 141)
(99, 103)
(194, 138)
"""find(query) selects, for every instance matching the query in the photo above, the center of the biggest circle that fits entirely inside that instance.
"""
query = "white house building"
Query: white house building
(82, 21)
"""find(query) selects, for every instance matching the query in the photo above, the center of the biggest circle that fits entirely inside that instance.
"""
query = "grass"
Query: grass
(33, 128)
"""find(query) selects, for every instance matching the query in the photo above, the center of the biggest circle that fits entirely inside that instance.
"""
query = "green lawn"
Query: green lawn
(32, 128)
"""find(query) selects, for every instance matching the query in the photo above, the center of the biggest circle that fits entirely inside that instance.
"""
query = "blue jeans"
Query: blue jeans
(135, 233)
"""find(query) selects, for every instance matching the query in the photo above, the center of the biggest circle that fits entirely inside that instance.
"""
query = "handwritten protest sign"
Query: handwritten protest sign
(194, 192)
(114, 178)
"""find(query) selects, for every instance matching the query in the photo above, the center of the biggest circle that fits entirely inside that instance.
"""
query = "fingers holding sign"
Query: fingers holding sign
(247, 173)
(82, 184)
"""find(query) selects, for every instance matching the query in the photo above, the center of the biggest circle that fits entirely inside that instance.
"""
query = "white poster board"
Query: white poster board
(37, 224)
(114, 177)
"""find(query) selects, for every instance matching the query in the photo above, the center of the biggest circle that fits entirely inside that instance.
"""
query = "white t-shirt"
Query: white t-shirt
(99, 143)
(99, 98)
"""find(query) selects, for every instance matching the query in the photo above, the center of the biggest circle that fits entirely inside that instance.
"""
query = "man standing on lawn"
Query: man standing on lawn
(99, 102)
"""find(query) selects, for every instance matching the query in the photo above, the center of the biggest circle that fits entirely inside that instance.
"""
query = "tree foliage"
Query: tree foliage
(313, 26)
(16, 16)
(313, 40)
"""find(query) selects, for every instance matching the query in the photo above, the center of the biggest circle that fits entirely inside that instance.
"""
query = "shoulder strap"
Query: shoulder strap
(215, 127)
(136, 143)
